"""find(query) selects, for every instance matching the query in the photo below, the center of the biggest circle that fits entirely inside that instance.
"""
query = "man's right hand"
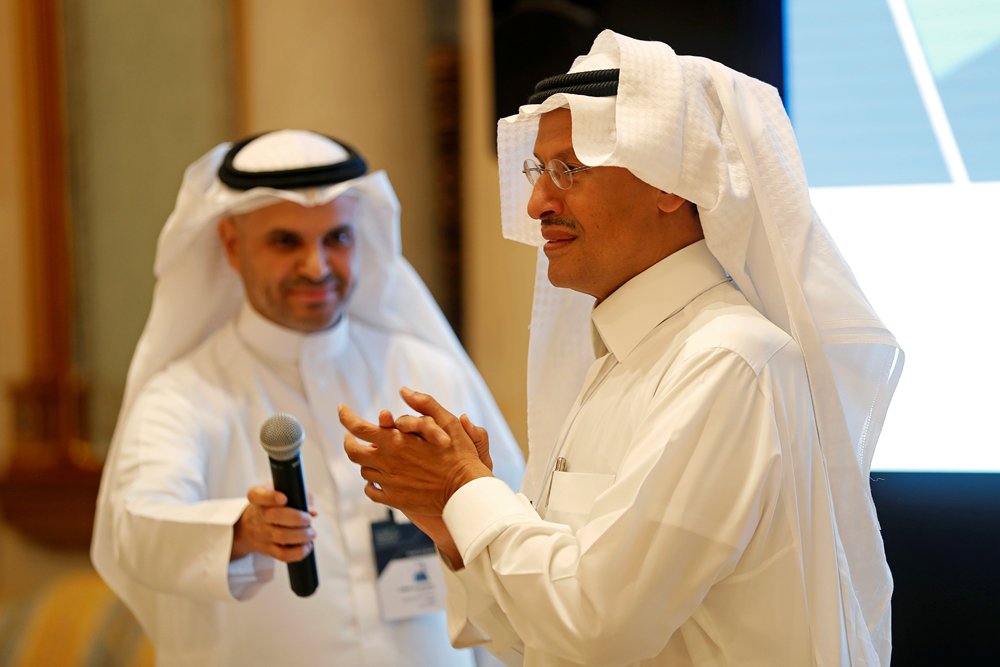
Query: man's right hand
(480, 438)
(268, 527)
(434, 526)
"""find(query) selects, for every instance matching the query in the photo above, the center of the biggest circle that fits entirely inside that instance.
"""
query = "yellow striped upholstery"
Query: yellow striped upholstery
(75, 622)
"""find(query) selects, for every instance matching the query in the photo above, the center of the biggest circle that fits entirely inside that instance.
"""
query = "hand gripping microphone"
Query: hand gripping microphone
(282, 436)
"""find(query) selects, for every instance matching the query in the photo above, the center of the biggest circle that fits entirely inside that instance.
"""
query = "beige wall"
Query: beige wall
(358, 71)
(498, 274)
(143, 104)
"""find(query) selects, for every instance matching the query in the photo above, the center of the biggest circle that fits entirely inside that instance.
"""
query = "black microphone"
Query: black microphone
(282, 436)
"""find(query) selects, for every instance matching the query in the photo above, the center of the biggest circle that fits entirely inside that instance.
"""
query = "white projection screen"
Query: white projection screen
(896, 104)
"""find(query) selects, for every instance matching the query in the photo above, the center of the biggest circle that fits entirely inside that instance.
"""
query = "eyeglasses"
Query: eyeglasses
(560, 173)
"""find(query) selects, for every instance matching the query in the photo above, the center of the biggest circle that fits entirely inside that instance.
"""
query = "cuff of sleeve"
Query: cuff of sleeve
(460, 601)
(479, 511)
(248, 574)
(243, 575)
(241, 578)
(469, 606)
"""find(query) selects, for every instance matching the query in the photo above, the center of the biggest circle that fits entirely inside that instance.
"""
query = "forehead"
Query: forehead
(290, 214)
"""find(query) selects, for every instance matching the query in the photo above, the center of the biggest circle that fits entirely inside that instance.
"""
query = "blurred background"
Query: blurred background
(104, 103)
(103, 106)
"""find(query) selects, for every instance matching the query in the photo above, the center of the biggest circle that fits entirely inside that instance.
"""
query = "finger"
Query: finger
(312, 504)
(265, 497)
(476, 433)
(425, 427)
(425, 404)
(373, 476)
(291, 537)
(286, 517)
(385, 419)
(360, 453)
(376, 494)
(289, 554)
(359, 427)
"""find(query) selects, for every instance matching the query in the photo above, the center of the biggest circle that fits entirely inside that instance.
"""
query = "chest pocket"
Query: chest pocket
(572, 496)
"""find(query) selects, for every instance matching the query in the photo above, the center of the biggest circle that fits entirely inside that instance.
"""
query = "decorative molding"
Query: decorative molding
(50, 488)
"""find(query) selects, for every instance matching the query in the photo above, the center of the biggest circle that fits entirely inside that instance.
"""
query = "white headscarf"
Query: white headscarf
(190, 258)
(722, 140)
(197, 292)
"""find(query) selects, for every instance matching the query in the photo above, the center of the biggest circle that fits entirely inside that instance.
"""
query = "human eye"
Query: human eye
(283, 240)
(342, 236)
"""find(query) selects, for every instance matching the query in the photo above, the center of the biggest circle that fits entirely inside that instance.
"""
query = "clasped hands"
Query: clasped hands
(415, 463)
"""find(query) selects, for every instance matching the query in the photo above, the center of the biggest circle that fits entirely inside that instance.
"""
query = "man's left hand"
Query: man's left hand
(415, 471)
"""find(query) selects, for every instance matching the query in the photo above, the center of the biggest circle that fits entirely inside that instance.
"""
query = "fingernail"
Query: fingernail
(405, 390)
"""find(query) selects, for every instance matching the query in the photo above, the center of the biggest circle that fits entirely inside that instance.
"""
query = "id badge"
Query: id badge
(409, 578)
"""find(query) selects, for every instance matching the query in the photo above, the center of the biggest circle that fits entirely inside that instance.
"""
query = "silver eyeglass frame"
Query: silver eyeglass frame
(560, 172)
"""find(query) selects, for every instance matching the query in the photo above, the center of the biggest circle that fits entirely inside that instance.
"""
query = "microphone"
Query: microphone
(281, 436)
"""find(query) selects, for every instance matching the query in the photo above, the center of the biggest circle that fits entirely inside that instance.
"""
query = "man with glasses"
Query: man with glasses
(706, 386)
(280, 289)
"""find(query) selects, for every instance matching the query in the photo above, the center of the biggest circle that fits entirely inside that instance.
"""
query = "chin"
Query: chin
(314, 322)
(560, 279)
(556, 278)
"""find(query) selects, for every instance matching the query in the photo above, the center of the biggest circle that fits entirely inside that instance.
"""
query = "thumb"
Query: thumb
(480, 438)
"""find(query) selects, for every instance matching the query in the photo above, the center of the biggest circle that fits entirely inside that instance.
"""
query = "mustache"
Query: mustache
(565, 223)
(329, 279)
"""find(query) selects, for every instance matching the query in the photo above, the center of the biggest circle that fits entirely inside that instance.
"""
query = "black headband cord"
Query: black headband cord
(291, 179)
(594, 83)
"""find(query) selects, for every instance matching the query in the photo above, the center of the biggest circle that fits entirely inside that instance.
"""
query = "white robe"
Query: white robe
(188, 454)
(693, 524)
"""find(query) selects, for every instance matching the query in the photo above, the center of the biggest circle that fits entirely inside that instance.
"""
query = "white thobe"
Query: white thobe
(693, 524)
(189, 453)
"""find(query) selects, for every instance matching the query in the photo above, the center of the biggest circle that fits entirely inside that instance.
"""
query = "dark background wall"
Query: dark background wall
(941, 530)
(533, 39)
(942, 539)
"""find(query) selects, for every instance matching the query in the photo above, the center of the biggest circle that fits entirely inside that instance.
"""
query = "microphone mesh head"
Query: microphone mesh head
(281, 436)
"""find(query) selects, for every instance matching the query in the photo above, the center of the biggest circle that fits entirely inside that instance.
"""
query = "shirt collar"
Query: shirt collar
(279, 343)
(633, 310)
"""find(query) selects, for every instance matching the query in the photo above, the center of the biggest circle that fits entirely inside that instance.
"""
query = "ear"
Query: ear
(669, 203)
(230, 237)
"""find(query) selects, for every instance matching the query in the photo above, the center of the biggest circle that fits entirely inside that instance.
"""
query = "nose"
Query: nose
(546, 199)
(315, 264)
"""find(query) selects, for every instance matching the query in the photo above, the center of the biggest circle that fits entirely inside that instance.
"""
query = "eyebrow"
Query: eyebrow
(566, 155)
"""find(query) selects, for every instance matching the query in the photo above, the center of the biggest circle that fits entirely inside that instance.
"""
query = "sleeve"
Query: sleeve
(168, 533)
(700, 472)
